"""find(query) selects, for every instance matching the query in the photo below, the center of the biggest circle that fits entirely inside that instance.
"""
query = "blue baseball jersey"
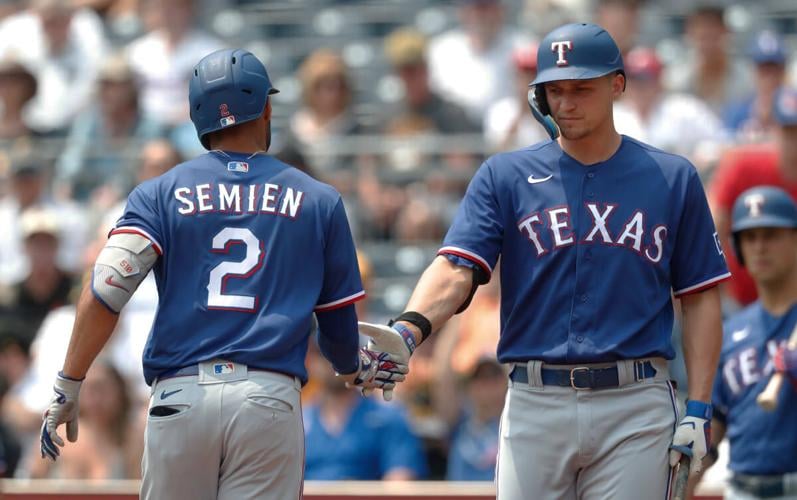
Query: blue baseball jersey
(375, 440)
(249, 248)
(761, 442)
(590, 254)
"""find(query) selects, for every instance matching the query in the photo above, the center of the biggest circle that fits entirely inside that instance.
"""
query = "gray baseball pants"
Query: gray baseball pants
(563, 443)
(234, 435)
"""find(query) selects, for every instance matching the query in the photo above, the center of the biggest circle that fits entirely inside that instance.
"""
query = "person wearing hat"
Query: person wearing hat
(104, 141)
(46, 286)
(405, 49)
(17, 88)
(772, 164)
(751, 118)
(676, 122)
(508, 124)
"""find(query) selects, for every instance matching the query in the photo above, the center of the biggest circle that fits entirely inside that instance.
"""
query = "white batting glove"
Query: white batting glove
(693, 436)
(395, 340)
(63, 409)
(376, 370)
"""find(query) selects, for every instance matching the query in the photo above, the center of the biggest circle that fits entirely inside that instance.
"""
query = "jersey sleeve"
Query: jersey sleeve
(698, 261)
(141, 216)
(478, 228)
(342, 284)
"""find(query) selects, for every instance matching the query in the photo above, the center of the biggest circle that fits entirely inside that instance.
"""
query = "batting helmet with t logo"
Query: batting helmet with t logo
(761, 206)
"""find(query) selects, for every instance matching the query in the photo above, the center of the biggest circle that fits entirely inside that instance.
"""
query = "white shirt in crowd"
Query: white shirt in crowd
(501, 117)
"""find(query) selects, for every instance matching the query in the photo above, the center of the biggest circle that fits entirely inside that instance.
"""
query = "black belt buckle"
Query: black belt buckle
(573, 375)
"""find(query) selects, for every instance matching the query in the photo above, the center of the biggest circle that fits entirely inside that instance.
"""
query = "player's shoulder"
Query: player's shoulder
(740, 321)
(543, 150)
(660, 156)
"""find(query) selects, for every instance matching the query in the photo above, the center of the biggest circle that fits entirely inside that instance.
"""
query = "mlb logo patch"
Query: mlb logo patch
(223, 368)
(227, 121)
(238, 166)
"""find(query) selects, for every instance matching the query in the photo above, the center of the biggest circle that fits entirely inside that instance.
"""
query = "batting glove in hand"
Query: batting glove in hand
(785, 360)
(377, 370)
(693, 436)
(397, 340)
(63, 409)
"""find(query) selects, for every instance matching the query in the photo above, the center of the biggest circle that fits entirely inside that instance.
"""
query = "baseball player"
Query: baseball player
(763, 445)
(244, 249)
(595, 232)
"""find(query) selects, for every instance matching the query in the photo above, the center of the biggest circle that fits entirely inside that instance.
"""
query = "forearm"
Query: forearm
(338, 339)
(94, 324)
(442, 289)
(702, 340)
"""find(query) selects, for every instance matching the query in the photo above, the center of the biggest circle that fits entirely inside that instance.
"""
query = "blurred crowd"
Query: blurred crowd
(93, 98)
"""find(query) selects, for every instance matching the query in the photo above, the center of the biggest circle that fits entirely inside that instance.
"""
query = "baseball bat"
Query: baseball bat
(768, 399)
(681, 478)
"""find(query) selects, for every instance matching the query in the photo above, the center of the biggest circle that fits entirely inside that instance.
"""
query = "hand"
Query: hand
(693, 436)
(396, 340)
(785, 360)
(63, 409)
(376, 370)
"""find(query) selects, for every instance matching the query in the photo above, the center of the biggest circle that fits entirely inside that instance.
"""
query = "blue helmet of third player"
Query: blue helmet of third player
(228, 87)
(762, 206)
(577, 51)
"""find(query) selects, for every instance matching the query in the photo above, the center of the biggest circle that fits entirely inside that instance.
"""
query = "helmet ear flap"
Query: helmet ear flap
(538, 104)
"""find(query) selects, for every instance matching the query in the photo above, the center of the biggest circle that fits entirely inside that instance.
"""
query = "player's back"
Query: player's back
(243, 254)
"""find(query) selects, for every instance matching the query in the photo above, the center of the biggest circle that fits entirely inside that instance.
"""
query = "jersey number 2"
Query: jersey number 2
(219, 275)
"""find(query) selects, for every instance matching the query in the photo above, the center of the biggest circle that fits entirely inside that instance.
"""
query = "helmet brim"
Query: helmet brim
(762, 221)
(571, 73)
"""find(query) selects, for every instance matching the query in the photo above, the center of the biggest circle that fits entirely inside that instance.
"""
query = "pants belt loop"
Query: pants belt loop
(626, 372)
(534, 371)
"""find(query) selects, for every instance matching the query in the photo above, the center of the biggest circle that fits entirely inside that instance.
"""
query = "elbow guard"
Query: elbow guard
(121, 266)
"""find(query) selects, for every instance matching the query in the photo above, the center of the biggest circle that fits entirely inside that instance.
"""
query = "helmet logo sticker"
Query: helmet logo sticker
(561, 48)
(224, 110)
(754, 202)
(227, 121)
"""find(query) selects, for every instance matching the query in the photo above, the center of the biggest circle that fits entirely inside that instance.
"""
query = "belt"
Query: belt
(192, 370)
(584, 377)
(761, 486)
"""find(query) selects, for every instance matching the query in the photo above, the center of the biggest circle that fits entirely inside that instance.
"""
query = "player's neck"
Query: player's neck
(598, 146)
(778, 298)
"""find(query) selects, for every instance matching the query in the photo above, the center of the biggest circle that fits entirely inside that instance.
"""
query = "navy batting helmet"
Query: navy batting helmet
(578, 51)
(762, 206)
(228, 87)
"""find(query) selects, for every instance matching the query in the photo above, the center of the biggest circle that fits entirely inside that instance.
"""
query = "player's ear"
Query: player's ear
(618, 84)
(267, 111)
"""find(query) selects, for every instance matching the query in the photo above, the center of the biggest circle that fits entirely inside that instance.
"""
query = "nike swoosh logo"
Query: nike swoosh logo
(165, 394)
(739, 335)
(532, 180)
(110, 282)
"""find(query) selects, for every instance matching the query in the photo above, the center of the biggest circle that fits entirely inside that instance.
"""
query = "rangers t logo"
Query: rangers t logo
(561, 49)
(754, 202)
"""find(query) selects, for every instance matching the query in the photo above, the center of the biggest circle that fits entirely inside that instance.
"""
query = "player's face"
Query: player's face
(580, 107)
(770, 254)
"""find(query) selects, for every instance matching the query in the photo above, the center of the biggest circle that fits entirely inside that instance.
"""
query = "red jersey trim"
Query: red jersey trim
(337, 304)
(467, 254)
(704, 285)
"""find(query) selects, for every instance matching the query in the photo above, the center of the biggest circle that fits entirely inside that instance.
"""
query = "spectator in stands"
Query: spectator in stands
(27, 187)
(754, 165)
(675, 122)
(350, 437)
(102, 452)
(17, 88)
(621, 19)
(751, 118)
(471, 64)
(709, 71)
(508, 124)
(468, 385)
(163, 58)
(325, 114)
(10, 450)
(46, 286)
(103, 142)
(64, 46)
(406, 51)
(418, 221)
